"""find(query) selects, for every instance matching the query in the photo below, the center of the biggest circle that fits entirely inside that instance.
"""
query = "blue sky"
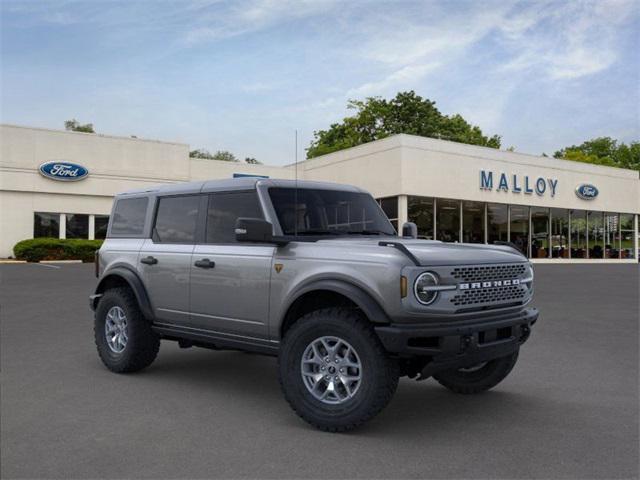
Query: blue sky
(242, 76)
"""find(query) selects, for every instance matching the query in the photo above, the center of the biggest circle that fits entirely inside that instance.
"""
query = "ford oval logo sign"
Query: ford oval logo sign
(63, 171)
(586, 191)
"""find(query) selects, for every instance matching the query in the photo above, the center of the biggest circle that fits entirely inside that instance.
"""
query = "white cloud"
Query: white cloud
(400, 79)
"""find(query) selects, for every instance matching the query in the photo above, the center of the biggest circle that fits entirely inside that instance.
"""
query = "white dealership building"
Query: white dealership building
(61, 184)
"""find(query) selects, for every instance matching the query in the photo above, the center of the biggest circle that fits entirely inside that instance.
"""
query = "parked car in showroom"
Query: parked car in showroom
(315, 274)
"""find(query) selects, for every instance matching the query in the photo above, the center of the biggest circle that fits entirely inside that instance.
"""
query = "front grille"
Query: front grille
(509, 294)
(489, 272)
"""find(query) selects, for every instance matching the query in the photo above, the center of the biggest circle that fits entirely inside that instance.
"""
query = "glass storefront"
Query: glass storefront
(611, 235)
(595, 234)
(473, 222)
(497, 223)
(578, 234)
(626, 236)
(447, 220)
(46, 225)
(420, 212)
(559, 233)
(77, 226)
(519, 228)
(538, 232)
(540, 247)
(389, 206)
(100, 226)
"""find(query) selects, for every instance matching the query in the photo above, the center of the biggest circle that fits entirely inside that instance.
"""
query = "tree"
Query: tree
(604, 151)
(377, 118)
(75, 126)
(222, 155)
(252, 161)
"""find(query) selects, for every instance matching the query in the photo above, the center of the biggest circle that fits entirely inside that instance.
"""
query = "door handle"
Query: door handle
(149, 260)
(205, 263)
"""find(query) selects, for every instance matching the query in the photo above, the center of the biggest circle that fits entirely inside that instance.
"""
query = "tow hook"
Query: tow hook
(526, 331)
(465, 343)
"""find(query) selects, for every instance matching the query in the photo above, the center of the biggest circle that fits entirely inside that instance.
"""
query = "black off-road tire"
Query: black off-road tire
(379, 373)
(143, 343)
(477, 381)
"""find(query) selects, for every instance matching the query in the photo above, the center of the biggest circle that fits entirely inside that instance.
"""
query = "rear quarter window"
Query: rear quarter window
(128, 217)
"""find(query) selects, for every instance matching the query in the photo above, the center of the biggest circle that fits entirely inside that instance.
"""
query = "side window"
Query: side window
(176, 219)
(224, 209)
(128, 217)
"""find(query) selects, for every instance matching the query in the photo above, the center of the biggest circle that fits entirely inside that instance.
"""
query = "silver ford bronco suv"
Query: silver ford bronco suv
(315, 274)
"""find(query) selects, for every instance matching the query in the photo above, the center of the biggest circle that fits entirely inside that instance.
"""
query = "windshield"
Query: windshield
(328, 212)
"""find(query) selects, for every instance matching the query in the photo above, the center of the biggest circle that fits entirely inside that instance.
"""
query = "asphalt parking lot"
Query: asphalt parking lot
(569, 409)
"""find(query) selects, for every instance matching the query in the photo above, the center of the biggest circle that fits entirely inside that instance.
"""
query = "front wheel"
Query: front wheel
(333, 370)
(477, 378)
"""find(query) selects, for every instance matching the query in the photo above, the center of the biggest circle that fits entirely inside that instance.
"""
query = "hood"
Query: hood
(432, 253)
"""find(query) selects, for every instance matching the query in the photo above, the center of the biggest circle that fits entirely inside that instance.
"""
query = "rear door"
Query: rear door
(165, 259)
(230, 280)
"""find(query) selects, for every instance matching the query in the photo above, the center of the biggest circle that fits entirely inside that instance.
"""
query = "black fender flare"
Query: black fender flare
(365, 302)
(135, 283)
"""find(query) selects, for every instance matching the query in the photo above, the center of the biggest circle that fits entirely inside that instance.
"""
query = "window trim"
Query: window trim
(205, 223)
(196, 234)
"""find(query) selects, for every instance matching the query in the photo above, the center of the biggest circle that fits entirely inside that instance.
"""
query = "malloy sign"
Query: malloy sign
(514, 183)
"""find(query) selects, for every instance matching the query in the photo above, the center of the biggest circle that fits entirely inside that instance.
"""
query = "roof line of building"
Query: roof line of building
(118, 137)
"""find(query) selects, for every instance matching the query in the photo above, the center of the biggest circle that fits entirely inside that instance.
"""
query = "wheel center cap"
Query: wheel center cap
(332, 369)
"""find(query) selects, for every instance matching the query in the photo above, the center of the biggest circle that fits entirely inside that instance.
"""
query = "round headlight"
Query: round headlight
(423, 288)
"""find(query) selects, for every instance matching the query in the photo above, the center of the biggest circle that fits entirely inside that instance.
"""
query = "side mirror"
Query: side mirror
(256, 230)
(409, 230)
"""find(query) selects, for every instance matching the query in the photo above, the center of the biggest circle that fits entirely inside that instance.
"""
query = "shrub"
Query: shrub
(36, 249)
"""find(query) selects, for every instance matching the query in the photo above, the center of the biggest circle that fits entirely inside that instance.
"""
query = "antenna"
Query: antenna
(295, 191)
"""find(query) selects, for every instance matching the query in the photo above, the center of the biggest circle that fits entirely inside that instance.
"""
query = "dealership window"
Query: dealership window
(540, 232)
(497, 223)
(420, 212)
(559, 233)
(578, 234)
(77, 226)
(626, 236)
(473, 222)
(595, 236)
(100, 226)
(46, 225)
(611, 235)
(176, 219)
(389, 206)
(447, 220)
(519, 228)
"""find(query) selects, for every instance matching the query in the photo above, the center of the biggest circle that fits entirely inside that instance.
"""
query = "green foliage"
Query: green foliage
(36, 249)
(252, 161)
(201, 153)
(75, 126)
(377, 118)
(222, 155)
(604, 151)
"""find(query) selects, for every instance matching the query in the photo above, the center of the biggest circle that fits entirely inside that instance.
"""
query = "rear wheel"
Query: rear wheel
(333, 370)
(477, 378)
(123, 336)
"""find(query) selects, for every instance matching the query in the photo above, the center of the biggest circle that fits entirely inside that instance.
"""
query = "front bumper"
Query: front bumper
(459, 344)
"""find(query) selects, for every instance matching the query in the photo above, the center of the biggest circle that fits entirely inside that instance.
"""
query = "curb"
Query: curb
(9, 261)
(60, 261)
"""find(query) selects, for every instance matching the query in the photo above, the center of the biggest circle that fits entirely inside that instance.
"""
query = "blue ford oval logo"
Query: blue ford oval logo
(586, 191)
(63, 171)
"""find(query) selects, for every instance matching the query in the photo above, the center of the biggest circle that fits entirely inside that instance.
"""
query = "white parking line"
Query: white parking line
(46, 265)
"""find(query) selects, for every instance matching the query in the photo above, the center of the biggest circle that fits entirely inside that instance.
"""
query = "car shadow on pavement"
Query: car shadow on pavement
(415, 407)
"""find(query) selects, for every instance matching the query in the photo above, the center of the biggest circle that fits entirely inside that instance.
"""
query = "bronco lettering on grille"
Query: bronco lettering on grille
(491, 284)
